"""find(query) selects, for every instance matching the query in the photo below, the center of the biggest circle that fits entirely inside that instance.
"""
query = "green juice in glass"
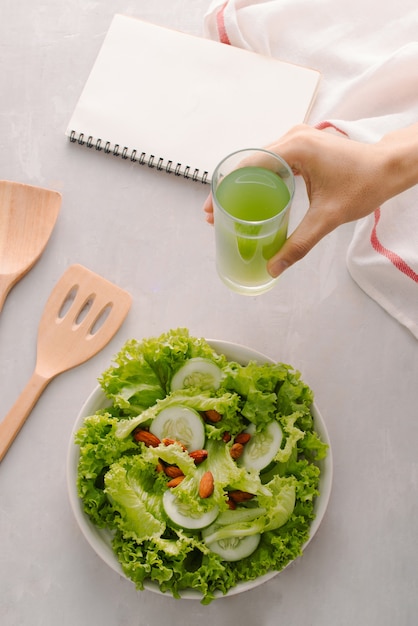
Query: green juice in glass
(249, 226)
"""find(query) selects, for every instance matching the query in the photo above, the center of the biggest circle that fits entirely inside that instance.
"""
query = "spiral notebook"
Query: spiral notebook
(180, 103)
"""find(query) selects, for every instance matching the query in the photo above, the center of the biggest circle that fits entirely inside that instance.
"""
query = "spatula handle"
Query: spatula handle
(5, 286)
(16, 417)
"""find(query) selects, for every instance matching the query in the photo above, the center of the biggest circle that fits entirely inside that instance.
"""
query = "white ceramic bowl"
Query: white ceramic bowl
(100, 540)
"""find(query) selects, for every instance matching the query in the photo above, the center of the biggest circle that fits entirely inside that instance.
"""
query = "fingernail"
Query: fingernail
(277, 267)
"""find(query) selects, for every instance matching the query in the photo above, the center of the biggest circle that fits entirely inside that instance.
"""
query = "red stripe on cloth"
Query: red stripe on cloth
(325, 125)
(220, 21)
(394, 258)
(377, 245)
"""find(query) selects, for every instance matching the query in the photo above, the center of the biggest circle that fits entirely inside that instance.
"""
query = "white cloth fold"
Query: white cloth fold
(367, 53)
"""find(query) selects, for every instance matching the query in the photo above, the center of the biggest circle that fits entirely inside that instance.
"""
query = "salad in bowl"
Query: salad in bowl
(198, 468)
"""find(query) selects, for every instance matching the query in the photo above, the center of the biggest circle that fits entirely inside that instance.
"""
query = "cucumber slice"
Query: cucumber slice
(182, 424)
(179, 513)
(197, 372)
(262, 447)
(235, 548)
(234, 534)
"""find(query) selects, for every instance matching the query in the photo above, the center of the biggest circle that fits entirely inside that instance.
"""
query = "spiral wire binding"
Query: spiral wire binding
(142, 159)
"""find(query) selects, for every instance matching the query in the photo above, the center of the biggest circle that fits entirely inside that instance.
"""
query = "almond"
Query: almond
(198, 456)
(168, 442)
(146, 437)
(213, 416)
(242, 438)
(175, 481)
(231, 504)
(236, 450)
(206, 485)
(238, 496)
(172, 471)
(226, 437)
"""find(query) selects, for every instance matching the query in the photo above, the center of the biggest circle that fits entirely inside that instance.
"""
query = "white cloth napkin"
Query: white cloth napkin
(367, 52)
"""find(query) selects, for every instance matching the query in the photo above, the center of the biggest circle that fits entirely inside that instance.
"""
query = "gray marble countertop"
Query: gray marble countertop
(146, 232)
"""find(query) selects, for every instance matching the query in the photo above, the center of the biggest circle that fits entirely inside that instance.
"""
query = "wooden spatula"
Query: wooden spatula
(27, 218)
(81, 316)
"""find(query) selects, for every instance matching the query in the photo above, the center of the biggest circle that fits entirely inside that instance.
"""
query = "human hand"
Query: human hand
(345, 180)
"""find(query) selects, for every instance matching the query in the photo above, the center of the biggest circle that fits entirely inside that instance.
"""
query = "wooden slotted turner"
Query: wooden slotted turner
(27, 218)
(81, 316)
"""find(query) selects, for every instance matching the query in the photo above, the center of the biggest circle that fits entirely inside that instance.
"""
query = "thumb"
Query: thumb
(305, 236)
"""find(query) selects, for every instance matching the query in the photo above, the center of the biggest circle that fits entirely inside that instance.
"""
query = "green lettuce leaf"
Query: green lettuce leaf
(131, 383)
(280, 502)
(99, 449)
(130, 487)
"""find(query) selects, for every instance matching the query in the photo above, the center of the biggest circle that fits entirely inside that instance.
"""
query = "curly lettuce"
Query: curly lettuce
(121, 484)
